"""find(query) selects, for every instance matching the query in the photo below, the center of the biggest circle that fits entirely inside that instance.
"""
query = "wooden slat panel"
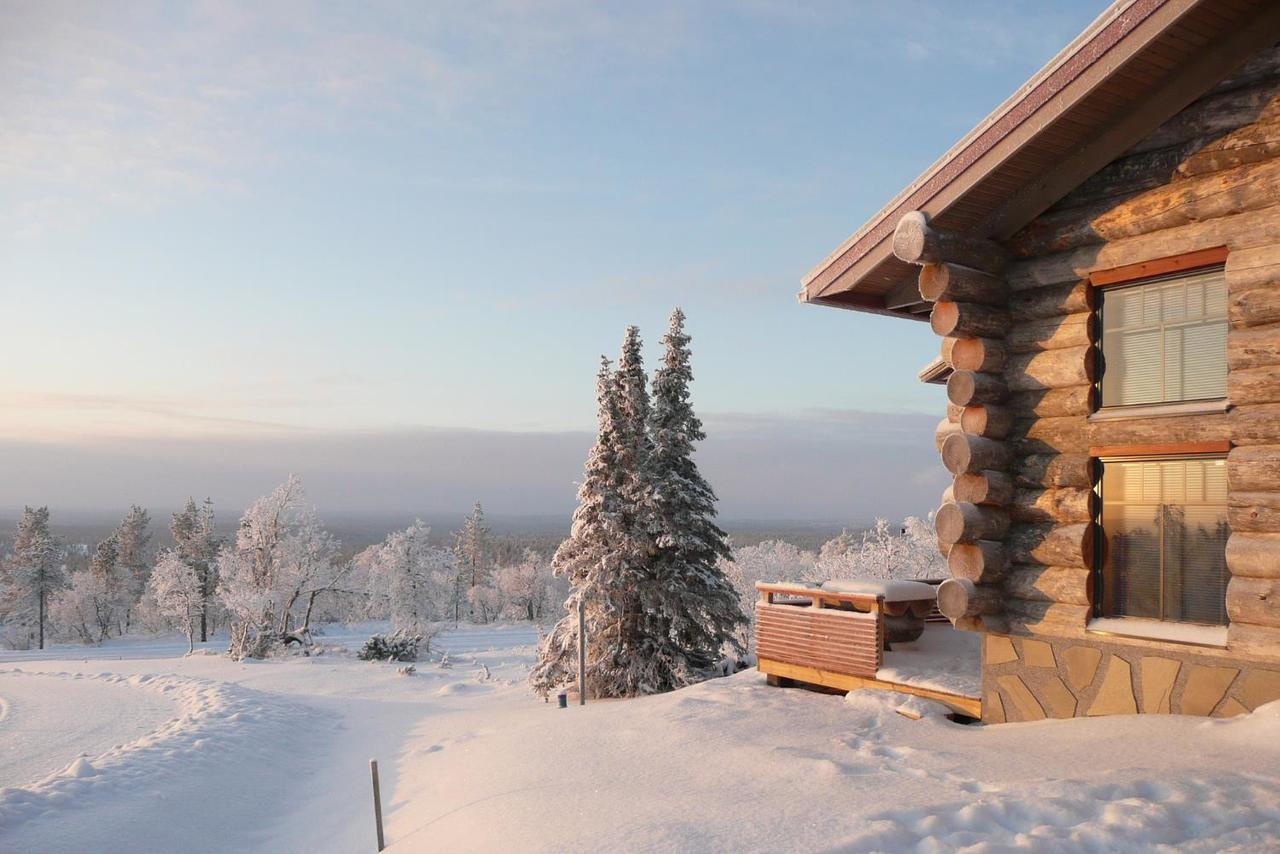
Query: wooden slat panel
(847, 642)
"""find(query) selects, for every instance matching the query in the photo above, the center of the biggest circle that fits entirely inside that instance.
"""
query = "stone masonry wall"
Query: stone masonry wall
(1025, 679)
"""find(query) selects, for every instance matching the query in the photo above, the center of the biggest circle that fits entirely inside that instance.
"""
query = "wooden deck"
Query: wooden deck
(835, 641)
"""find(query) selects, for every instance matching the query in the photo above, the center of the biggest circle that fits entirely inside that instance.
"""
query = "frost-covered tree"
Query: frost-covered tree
(97, 598)
(884, 551)
(590, 560)
(176, 592)
(525, 586)
(691, 607)
(281, 561)
(413, 577)
(471, 545)
(32, 576)
(133, 538)
(771, 560)
(197, 543)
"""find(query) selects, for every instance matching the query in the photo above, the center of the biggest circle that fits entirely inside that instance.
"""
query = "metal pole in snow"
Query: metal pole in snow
(582, 652)
(377, 802)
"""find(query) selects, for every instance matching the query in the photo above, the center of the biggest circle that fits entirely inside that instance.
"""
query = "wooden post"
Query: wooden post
(582, 652)
(377, 803)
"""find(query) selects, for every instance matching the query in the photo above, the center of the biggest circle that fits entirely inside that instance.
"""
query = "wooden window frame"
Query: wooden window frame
(1134, 274)
(1100, 454)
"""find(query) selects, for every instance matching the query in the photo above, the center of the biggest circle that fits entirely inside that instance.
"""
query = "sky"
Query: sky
(383, 245)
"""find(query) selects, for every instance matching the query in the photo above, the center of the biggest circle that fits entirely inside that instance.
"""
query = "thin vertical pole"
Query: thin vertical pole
(377, 803)
(582, 652)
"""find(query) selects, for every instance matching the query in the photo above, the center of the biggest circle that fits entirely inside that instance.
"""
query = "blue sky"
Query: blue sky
(228, 222)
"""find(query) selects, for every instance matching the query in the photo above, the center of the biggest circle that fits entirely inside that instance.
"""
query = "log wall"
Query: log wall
(1018, 327)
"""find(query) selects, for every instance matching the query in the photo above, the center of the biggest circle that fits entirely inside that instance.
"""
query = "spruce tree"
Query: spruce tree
(590, 560)
(692, 607)
(33, 574)
(471, 545)
(133, 536)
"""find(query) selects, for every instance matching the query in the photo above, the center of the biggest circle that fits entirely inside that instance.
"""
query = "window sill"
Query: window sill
(1160, 410)
(1192, 634)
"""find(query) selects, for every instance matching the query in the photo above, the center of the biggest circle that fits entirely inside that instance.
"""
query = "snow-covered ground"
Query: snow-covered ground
(205, 754)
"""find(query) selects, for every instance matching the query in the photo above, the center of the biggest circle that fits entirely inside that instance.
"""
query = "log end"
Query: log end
(909, 237)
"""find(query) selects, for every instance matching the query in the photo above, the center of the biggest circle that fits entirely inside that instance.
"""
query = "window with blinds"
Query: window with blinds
(1165, 340)
(1165, 538)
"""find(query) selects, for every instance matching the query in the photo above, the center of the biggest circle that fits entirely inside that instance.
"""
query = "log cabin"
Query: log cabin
(1101, 260)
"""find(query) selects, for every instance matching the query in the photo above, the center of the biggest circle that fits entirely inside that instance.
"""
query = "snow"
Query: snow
(1159, 630)
(942, 659)
(273, 756)
(891, 589)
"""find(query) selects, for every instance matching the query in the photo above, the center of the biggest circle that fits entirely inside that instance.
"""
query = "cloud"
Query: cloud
(842, 466)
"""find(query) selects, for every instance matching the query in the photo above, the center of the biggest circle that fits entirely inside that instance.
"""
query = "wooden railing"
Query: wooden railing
(820, 629)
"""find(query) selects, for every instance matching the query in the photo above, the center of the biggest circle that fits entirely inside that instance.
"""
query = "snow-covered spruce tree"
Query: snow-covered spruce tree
(471, 545)
(692, 609)
(414, 578)
(177, 594)
(281, 561)
(197, 544)
(133, 536)
(590, 560)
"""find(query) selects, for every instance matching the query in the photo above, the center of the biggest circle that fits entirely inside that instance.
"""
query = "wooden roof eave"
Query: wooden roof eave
(1116, 38)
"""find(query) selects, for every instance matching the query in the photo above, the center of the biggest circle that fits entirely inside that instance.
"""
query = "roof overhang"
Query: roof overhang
(1132, 69)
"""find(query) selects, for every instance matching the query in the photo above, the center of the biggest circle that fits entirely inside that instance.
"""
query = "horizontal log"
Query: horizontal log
(1253, 143)
(1254, 348)
(1066, 584)
(1055, 333)
(1254, 228)
(948, 494)
(916, 241)
(1056, 470)
(1063, 368)
(986, 420)
(977, 354)
(1254, 600)
(962, 453)
(1159, 431)
(1055, 300)
(1253, 641)
(1215, 113)
(1253, 267)
(959, 598)
(1064, 505)
(1123, 177)
(946, 427)
(967, 320)
(1251, 555)
(1255, 424)
(954, 412)
(983, 562)
(1055, 402)
(1052, 619)
(1254, 468)
(1223, 193)
(969, 388)
(1254, 385)
(986, 487)
(1254, 511)
(1262, 66)
(957, 283)
(1051, 545)
(1067, 434)
(962, 522)
(1255, 307)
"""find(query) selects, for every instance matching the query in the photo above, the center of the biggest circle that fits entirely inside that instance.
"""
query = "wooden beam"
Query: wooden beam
(1165, 449)
(904, 295)
(1159, 267)
(971, 706)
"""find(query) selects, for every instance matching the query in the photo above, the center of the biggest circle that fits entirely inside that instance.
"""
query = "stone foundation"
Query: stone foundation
(1027, 679)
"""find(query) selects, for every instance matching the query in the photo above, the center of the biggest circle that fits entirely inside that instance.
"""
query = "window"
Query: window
(1165, 339)
(1165, 537)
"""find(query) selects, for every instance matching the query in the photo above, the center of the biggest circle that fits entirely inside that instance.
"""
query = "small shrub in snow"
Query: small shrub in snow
(398, 646)
(407, 670)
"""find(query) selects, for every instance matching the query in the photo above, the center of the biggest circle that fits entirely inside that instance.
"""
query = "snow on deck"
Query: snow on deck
(943, 659)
